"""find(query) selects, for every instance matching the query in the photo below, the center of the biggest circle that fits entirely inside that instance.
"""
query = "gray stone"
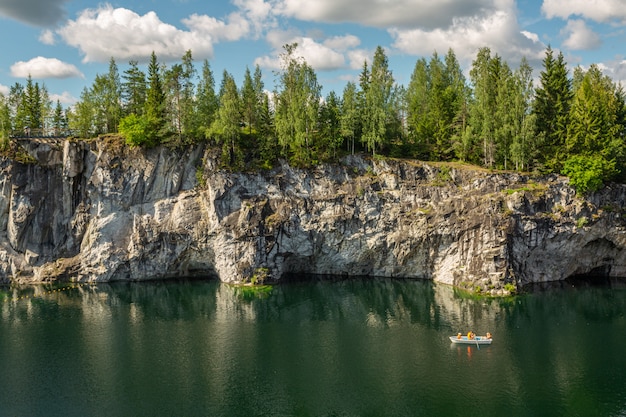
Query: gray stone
(100, 211)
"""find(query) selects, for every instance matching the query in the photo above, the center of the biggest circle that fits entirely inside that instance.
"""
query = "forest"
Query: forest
(500, 118)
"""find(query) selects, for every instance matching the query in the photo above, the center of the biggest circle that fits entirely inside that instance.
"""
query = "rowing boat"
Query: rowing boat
(476, 340)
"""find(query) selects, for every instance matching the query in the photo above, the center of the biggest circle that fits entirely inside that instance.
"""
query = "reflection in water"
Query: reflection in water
(319, 347)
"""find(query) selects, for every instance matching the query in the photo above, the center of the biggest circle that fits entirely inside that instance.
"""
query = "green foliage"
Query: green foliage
(588, 173)
(510, 288)
(552, 108)
(582, 222)
(136, 130)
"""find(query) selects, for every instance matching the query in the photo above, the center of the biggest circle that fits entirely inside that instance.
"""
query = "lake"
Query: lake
(355, 347)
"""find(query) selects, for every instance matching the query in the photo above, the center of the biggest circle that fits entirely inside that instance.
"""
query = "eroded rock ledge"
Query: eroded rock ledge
(100, 211)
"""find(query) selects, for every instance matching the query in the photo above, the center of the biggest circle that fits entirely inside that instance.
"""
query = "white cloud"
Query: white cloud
(598, 10)
(342, 43)
(498, 30)
(237, 27)
(123, 34)
(65, 98)
(4, 90)
(579, 36)
(47, 37)
(317, 55)
(34, 12)
(41, 67)
(427, 14)
(615, 69)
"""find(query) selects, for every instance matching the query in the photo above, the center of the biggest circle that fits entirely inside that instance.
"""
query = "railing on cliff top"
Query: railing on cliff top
(28, 133)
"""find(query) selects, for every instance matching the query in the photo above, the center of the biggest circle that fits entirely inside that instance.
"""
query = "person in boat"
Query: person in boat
(458, 335)
(488, 335)
(471, 335)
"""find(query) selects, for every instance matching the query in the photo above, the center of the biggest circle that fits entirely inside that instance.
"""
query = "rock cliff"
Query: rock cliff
(100, 211)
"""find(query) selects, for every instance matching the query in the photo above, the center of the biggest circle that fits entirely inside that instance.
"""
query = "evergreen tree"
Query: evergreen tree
(418, 117)
(349, 115)
(377, 102)
(330, 125)
(457, 96)
(249, 101)
(5, 122)
(33, 104)
(173, 86)
(113, 97)
(552, 108)
(595, 130)
(226, 127)
(207, 101)
(59, 121)
(155, 109)
(134, 90)
(268, 144)
(188, 103)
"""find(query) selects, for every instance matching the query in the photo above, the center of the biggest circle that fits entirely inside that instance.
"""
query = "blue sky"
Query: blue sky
(65, 43)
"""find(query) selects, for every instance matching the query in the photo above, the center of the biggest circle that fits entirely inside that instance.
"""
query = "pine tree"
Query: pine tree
(552, 105)
(207, 101)
(418, 105)
(349, 115)
(249, 100)
(155, 109)
(134, 90)
(330, 125)
(226, 127)
(188, 103)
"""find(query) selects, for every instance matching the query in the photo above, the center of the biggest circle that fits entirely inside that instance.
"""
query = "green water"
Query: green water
(316, 348)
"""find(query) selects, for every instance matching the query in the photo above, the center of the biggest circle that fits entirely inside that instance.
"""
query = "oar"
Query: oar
(477, 345)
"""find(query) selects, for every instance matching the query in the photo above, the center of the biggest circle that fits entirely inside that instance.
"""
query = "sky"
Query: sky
(64, 44)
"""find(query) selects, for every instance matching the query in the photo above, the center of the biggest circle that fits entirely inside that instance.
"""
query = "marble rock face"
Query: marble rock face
(100, 211)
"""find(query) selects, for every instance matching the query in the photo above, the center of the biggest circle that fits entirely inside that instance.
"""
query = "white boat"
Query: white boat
(476, 340)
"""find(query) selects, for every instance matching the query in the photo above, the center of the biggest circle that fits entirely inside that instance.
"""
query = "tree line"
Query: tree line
(499, 118)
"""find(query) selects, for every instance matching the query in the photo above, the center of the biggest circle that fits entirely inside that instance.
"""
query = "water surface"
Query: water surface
(362, 347)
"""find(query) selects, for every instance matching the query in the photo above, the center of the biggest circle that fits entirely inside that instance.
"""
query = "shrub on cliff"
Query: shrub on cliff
(138, 131)
(588, 173)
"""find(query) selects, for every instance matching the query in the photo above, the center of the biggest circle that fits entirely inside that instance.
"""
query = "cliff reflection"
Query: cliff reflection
(376, 302)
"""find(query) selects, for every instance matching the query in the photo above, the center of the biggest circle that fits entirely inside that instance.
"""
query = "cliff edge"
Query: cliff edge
(101, 211)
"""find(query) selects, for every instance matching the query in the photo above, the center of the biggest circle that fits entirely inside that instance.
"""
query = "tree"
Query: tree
(188, 104)
(59, 121)
(594, 143)
(207, 102)
(523, 146)
(349, 115)
(226, 127)
(417, 99)
(81, 119)
(330, 125)
(173, 90)
(134, 90)
(552, 108)
(297, 105)
(483, 74)
(248, 101)
(5, 122)
(268, 144)
(112, 97)
(155, 109)
(377, 96)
